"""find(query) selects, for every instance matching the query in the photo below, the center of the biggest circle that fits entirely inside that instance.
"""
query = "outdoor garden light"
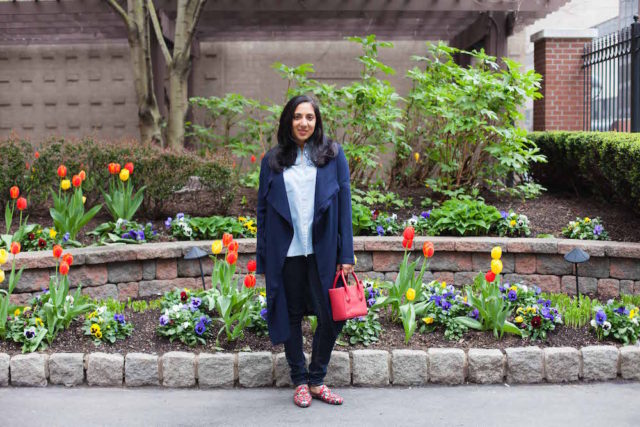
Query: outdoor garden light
(197, 253)
(577, 256)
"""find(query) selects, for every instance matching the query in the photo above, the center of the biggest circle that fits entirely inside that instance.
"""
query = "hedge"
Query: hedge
(162, 171)
(606, 164)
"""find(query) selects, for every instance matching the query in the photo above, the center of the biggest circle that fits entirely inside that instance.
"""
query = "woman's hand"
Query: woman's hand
(347, 268)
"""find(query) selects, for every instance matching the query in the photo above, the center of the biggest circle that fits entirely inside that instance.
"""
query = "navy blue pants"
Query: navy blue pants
(303, 291)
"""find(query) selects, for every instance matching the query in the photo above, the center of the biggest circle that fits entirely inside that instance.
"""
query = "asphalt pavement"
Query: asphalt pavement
(599, 405)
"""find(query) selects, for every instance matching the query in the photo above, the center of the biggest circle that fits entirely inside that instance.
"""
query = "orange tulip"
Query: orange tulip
(14, 192)
(57, 251)
(129, 167)
(427, 249)
(232, 257)
(233, 246)
(15, 248)
(249, 281)
(68, 258)
(37, 155)
(76, 181)
(226, 239)
(64, 268)
(21, 204)
(83, 175)
(62, 171)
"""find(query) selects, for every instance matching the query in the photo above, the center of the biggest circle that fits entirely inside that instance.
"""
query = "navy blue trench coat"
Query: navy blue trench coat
(332, 234)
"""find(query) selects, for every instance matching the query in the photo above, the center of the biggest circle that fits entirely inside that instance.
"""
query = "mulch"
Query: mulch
(145, 340)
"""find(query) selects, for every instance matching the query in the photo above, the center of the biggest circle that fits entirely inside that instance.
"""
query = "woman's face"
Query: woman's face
(304, 122)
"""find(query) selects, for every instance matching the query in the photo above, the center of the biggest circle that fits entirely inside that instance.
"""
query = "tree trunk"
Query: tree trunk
(136, 19)
(187, 15)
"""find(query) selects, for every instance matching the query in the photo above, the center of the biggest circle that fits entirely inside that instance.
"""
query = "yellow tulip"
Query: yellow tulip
(65, 184)
(3, 256)
(2, 276)
(216, 247)
(416, 156)
(496, 252)
(427, 320)
(52, 233)
(124, 175)
(496, 266)
(355, 259)
(84, 199)
(518, 319)
(411, 294)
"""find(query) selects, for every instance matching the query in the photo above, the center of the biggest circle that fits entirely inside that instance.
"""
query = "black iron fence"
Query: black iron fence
(611, 66)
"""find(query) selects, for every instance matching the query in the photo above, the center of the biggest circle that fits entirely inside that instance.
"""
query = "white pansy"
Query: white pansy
(593, 323)
(175, 308)
(185, 325)
(394, 217)
(101, 309)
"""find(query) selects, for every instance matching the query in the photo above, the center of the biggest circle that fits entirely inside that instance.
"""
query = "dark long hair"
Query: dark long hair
(285, 153)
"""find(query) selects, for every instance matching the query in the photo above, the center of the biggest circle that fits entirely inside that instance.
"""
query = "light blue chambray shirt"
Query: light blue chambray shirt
(300, 182)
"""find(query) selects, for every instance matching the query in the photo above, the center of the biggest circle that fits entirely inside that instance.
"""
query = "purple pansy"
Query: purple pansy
(380, 230)
(167, 223)
(164, 320)
(597, 229)
(512, 295)
(601, 317)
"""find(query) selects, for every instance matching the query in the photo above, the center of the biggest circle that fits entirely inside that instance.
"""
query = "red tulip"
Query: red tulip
(62, 171)
(129, 167)
(68, 258)
(232, 257)
(490, 276)
(249, 281)
(226, 239)
(233, 246)
(15, 248)
(427, 249)
(251, 265)
(407, 243)
(408, 233)
(64, 268)
(253, 158)
(21, 204)
(37, 155)
(76, 181)
(14, 192)
(57, 251)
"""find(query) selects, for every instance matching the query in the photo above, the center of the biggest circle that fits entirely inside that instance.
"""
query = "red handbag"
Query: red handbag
(347, 302)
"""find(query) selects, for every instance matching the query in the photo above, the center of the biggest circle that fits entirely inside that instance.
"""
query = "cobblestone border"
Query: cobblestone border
(131, 271)
(371, 368)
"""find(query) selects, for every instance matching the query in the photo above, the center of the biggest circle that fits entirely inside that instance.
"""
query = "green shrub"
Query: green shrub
(606, 164)
(464, 217)
(162, 172)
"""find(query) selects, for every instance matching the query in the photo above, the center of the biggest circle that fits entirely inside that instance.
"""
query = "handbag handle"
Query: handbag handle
(344, 280)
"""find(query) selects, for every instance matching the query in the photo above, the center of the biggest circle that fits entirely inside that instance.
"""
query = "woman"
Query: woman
(304, 238)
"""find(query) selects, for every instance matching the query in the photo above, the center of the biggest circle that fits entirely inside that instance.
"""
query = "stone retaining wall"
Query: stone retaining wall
(372, 368)
(124, 271)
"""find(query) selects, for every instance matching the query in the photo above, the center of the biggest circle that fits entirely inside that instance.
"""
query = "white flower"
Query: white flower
(635, 321)
(101, 309)
(606, 326)
(185, 325)
(175, 308)
(394, 217)
(524, 288)
(413, 220)
(262, 299)
(610, 301)
(593, 323)
(69, 299)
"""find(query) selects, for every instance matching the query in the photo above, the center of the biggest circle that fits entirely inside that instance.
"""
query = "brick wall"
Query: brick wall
(558, 58)
(152, 269)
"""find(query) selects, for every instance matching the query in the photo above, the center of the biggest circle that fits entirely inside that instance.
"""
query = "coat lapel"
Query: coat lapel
(277, 196)
(326, 187)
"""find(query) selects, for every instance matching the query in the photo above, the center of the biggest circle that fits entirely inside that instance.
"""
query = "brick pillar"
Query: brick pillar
(558, 57)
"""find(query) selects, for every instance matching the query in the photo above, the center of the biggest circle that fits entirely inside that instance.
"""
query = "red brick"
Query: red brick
(127, 290)
(88, 275)
(625, 268)
(525, 264)
(608, 288)
(444, 276)
(167, 269)
(387, 261)
(20, 299)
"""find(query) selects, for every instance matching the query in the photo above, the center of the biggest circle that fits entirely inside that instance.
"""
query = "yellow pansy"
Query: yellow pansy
(91, 315)
(4, 255)
(513, 223)
(65, 184)
(242, 219)
(427, 320)
(216, 247)
(263, 293)
(518, 319)
(496, 266)
(496, 252)
(39, 322)
(513, 288)
(411, 294)
(464, 299)
(124, 175)
(1, 276)
(519, 310)
(587, 219)
(52, 233)
(95, 328)
(443, 285)
(16, 313)
(99, 334)
(632, 313)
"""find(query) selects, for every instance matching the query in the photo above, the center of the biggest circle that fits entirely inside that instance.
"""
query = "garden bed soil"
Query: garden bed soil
(547, 214)
(145, 340)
